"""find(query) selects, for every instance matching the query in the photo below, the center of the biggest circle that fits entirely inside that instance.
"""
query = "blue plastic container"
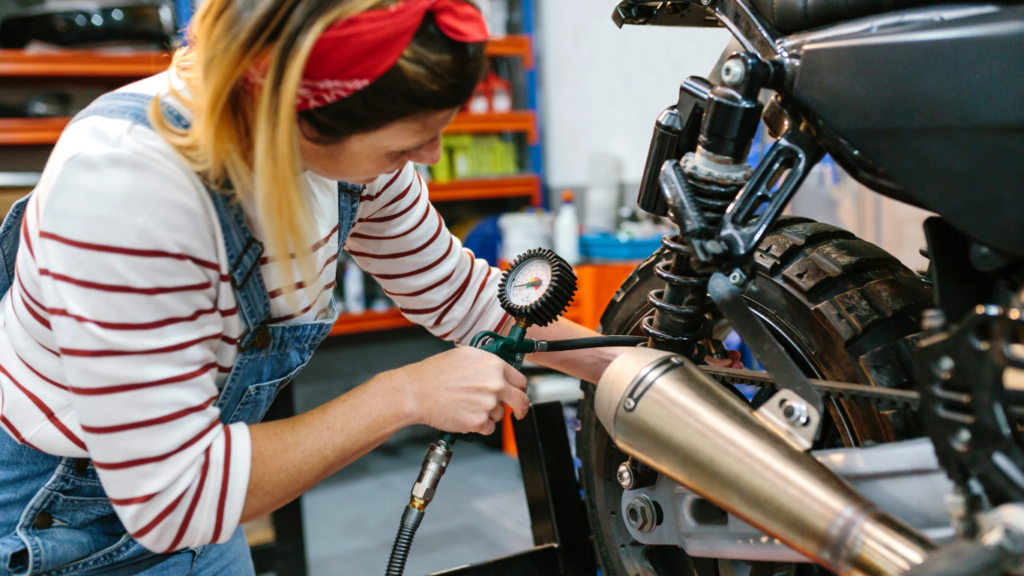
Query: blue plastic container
(609, 247)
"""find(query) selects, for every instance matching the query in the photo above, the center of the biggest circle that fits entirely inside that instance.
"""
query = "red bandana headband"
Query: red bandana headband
(351, 54)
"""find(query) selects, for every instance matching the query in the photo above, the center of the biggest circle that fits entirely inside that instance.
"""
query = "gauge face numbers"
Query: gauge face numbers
(537, 289)
(528, 282)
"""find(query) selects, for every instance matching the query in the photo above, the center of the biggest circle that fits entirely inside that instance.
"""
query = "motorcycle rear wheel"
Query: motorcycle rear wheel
(843, 308)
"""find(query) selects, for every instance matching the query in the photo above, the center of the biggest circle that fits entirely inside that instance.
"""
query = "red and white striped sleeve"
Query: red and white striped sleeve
(402, 241)
(129, 274)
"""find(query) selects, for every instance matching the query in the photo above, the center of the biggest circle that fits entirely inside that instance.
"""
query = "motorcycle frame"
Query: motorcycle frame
(755, 34)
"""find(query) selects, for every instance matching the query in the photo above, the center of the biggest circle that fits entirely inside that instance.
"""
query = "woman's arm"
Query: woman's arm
(461, 390)
(401, 240)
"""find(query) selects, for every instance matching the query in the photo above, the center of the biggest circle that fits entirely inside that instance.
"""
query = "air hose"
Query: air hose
(592, 342)
(434, 464)
(510, 349)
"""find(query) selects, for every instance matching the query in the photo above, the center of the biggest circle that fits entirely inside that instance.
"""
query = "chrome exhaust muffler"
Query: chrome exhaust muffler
(664, 411)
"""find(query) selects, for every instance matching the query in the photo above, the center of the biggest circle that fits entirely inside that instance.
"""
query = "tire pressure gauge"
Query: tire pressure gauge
(537, 288)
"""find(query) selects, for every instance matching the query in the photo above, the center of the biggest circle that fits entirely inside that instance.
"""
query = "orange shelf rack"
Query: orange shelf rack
(142, 63)
(31, 131)
(524, 121)
(512, 46)
(485, 188)
(46, 130)
(369, 321)
(83, 63)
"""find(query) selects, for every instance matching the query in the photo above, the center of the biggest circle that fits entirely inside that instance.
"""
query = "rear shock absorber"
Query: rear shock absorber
(711, 129)
(681, 322)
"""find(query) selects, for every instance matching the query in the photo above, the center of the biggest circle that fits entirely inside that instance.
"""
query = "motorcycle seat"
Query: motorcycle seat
(791, 16)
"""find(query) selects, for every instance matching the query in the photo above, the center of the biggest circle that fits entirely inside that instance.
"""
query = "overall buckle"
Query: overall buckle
(262, 340)
(252, 243)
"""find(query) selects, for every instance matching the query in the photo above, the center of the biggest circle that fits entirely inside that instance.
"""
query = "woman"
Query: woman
(174, 268)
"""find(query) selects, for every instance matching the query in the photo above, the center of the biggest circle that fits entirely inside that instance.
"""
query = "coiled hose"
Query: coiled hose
(434, 464)
(411, 519)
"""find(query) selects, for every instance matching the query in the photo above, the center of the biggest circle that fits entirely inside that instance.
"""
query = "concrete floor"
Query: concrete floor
(479, 513)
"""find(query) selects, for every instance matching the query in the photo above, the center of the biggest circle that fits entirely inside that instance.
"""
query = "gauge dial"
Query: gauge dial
(537, 288)
(528, 282)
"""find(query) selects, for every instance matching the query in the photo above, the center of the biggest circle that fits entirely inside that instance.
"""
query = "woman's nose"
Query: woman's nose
(429, 154)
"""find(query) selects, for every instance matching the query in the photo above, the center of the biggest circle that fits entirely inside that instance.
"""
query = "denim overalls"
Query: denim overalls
(54, 515)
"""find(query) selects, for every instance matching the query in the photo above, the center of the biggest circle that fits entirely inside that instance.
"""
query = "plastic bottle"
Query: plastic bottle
(480, 101)
(567, 230)
(501, 93)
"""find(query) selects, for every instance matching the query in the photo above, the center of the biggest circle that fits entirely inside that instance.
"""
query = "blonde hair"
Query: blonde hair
(245, 132)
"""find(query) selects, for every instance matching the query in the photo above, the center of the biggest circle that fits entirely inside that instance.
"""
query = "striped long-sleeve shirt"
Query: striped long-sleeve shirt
(121, 325)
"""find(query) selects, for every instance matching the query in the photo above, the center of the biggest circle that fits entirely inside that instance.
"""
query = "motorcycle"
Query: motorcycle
(885, 436)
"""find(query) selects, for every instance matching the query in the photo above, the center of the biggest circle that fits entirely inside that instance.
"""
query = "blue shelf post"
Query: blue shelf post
(183, 10)
(536, 151)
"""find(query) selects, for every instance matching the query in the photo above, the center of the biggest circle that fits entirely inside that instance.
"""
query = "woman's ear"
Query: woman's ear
(306, 131)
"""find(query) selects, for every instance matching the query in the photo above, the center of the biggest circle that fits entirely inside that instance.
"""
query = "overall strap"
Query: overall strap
(10, 240)
(348, 208)
(243, 249)
(244, 252)
(130, 106)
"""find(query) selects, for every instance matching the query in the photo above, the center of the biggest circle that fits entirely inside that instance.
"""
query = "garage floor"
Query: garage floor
(479, 513)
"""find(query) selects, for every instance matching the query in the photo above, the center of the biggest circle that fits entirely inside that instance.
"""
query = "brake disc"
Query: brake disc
(881, 398)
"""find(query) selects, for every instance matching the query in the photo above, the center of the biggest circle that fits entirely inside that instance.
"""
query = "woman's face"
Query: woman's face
(361, 158)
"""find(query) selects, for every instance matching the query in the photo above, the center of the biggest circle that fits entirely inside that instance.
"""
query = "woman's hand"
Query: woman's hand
(462, 390)
(733, 361)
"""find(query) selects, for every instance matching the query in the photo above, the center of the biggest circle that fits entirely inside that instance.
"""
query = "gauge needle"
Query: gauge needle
(530, 284)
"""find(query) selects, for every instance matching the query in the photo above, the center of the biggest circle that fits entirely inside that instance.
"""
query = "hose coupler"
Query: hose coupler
(434, 464)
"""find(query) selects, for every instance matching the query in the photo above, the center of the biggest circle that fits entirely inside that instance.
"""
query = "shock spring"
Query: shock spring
(681, 321)
(713, 198)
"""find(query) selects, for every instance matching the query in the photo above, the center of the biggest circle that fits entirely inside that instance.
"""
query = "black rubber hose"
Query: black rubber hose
(595, 342)
(411, 519)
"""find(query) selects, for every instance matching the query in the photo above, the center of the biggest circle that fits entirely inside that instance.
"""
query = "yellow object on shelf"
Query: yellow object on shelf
(468, 156)
(442, 171)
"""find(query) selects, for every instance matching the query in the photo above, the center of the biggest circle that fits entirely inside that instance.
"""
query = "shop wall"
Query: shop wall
(602, 88)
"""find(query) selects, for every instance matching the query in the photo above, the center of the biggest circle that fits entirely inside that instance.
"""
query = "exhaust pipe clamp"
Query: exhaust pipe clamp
(790, 416)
